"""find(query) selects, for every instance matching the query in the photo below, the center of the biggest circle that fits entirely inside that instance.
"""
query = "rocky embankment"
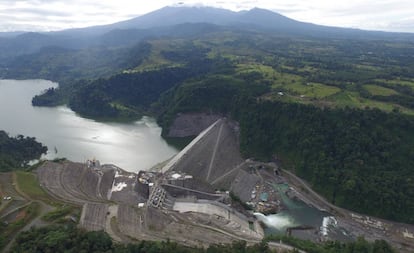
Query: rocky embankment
(191, 124)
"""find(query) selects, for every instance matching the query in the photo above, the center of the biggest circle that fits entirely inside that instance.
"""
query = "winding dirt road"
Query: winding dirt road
(43, 208)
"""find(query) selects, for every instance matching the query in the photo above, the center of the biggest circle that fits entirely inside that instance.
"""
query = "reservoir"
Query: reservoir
(132, 146)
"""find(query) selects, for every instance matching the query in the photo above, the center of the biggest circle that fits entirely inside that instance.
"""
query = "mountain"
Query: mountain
(164, 17)
(25, 43)
(169, 16)
(10, 34)
(256, 19)
(184, 20)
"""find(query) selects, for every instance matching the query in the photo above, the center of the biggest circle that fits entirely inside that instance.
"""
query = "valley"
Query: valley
(176, 196)
(204, 128)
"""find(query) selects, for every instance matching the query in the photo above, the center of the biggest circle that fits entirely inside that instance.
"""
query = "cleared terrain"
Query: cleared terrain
(109, 199)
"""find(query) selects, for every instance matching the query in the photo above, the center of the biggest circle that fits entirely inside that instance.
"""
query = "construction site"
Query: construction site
(183, 201)
(205, 194)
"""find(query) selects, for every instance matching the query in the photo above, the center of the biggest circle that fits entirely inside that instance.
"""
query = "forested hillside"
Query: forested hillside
(16, 152)
(325, 73)
(69, 239)
(129, 94)
(358, 159)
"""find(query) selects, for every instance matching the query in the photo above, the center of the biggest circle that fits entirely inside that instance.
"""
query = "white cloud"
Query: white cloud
(391, 15)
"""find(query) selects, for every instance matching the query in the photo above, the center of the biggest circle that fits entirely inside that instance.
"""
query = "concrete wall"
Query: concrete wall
(212, 208)
(206, 208)
(216, 208)
(178, 192)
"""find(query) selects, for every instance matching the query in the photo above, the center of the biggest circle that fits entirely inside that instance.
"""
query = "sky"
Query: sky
(49, 15)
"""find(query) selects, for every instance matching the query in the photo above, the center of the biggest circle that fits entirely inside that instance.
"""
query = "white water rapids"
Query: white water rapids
(278, 221)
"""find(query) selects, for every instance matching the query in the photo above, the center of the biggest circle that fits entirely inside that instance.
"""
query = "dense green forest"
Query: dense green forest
(359, 245)
(128, 94)
(325, 73)
(65, 65)
(358, 159)
(69, 239)
(17, 152)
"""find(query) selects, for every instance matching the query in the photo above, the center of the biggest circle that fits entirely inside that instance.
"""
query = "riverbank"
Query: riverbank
(399, 235)
(133, 146)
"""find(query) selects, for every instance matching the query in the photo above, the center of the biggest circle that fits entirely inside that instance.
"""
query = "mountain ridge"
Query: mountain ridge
(157, 23)
(259, 17)
(173, 15)
(164, 22)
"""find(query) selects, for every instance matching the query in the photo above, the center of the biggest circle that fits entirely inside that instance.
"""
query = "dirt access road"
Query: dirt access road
(321, 202)
(9, 186)
(358, 224)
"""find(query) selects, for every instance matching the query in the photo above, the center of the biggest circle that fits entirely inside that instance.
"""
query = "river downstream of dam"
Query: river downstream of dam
(299, 214)
(132, 146)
